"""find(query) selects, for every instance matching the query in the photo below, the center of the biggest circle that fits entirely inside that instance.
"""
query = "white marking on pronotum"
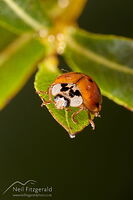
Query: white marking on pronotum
(56, 89)
(76, 101)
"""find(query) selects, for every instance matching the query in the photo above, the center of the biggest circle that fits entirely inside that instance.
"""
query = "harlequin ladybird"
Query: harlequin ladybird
(74, 89)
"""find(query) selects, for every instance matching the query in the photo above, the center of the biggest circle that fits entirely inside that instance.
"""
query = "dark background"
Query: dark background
(96, 164)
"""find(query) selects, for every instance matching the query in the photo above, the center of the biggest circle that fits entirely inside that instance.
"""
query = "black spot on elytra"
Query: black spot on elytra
(90, 80)
(77, 93)
(74, 93)
(64, 84)
(59, 95)
(97, 105)
(64, 87)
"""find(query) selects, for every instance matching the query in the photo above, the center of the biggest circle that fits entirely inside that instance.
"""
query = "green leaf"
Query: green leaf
(44, 78)
(5, 37)
(17, 63)
(65, 11)
(108, 59)
(23, 15)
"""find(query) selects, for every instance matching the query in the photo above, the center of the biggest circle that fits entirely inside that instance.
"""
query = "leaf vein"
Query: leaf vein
(13, 47)
(98, 58)
(23, 15)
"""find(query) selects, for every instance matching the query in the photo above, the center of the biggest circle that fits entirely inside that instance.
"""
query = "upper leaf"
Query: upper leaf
(17, 63)
(108, 59)
(46, 75)
(5, 37)
(65, 11)
(20, 15)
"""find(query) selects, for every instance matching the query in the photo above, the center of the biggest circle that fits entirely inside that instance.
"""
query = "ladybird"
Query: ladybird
(74, 89)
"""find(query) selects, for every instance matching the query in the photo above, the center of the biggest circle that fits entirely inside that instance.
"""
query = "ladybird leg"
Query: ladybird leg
(68, 109)
(50, 94)
(44, 102)
(41, 92)
(92, 124)
(75, 114)
(91, 121)
(97, 115)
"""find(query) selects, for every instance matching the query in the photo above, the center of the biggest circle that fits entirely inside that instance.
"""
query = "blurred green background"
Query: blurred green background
(96, 164)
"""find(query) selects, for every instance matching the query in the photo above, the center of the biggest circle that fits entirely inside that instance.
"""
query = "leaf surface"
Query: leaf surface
(108, 59)
(23, 15)
(17, 63)
(5, 38)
